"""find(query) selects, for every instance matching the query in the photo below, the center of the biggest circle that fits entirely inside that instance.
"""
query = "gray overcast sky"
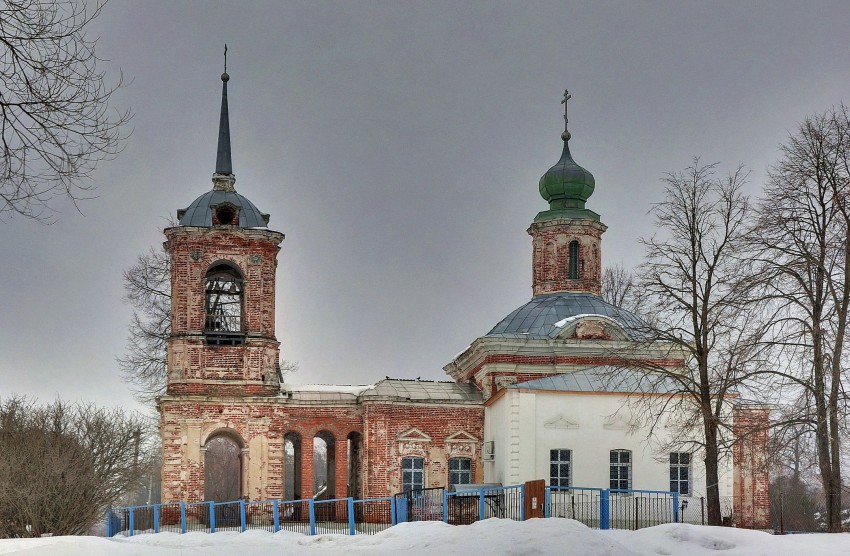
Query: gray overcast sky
(398, 146)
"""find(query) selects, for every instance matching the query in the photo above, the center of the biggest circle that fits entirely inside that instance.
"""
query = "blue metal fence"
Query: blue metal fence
(595, 507)
(468, 506)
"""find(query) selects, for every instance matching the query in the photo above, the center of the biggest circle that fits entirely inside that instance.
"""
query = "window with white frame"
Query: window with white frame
(621, 469)
(680, 472)
(412, 473)
(560, 467)
(460, 471)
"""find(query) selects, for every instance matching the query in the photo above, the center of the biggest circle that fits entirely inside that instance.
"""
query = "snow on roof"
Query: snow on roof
(336, 388)
(388, 389)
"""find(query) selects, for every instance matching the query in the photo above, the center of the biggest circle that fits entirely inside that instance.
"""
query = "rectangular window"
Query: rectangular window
(680, 472)
(412, 474)
(460, 471)
(621, 469)
(560, 467)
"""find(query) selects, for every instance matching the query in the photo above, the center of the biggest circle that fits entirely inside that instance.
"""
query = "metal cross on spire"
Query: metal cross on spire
(225, 57)
(567, 96)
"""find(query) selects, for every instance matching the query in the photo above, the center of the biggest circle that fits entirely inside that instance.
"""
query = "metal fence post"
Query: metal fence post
(212, 516)
(637, 512)
(393, 516)
(702, 508)
(547, 500)
(522, 502)
(675, 507)
(182, 517)
(445, 506)
(482, 507)
(242, 518)
(312, 507)
(351, 529)
(276, 515)
(605, 509)
(156, 518)
(132, 524)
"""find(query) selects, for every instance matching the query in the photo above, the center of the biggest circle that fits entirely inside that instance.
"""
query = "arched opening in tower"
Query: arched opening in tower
(223, 305)
(324, 466)
(292, 466)
(223, 469)
(355, 465)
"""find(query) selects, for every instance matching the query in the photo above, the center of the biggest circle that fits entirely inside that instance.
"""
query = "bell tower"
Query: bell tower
(567, 238)
(223, 262)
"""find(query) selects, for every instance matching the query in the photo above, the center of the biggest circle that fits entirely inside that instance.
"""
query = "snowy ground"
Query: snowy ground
(486, 538)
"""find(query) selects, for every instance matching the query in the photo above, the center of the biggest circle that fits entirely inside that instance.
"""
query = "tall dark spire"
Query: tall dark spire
(223, 163)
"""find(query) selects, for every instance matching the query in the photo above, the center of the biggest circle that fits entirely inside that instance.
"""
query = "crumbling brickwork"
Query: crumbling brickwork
(551, 255)
(750, 477)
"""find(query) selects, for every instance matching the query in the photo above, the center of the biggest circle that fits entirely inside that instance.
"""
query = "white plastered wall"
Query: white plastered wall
(526, 425)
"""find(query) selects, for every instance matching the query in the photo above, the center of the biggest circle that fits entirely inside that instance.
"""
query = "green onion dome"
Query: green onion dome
(566, 185)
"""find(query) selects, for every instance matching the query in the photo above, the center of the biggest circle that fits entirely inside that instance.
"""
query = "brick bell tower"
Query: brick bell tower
(223, 261)
(567, 238)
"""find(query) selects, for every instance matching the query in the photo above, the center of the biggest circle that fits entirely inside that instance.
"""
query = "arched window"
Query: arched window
(574, 258)
(223, 308)
(460, 471)
(621, 469)
(222, 469)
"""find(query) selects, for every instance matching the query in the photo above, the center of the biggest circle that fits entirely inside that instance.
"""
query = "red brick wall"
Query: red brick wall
(194, 250)
(384, 423)
(751, 481)
(262, 424)
(195, 367)
(551, 255)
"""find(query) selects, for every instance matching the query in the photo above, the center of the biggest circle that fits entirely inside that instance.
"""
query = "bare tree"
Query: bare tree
(803, 263)
(62, 465)
(620, 288)
(691, 282)
(56, 122)
(147, 288)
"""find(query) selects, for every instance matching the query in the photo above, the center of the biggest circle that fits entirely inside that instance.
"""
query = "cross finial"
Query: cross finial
(567, 96)
(225, 57)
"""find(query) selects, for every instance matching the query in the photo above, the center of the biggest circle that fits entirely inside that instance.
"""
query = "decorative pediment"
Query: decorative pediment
(591, 327)
(619, 423)
(413, 435)
(461, 436)
(560, 422)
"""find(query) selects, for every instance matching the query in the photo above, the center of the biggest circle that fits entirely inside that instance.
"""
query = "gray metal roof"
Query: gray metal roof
(390, 389)
(604, 378)
(539, 317)
(423, 390)
(199, 212)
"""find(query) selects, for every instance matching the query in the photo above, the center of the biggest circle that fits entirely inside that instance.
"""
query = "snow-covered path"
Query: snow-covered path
(486, 538)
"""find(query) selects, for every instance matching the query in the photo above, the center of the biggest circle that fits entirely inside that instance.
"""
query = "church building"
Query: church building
(539, 396)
